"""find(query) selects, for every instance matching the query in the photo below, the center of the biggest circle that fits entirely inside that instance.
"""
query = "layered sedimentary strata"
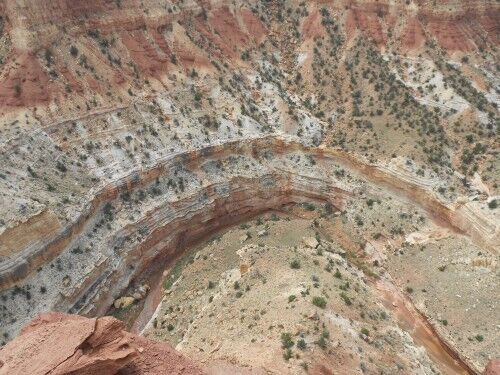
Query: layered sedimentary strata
(131, 130)
(147, 217)
(178, 204)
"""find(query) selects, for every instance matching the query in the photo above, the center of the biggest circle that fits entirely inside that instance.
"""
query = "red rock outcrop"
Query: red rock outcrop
(450, 35)
(158, 358)
(413, 36)
(253, 24)
(24, 82)
(368, 22)
(58, 343)
(143, 53)
(460, 26)
(312, 27)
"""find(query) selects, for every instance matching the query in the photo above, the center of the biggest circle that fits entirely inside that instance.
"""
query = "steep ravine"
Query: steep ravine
(423, 333)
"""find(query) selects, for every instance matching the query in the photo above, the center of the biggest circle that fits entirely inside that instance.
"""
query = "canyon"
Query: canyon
(267, 149)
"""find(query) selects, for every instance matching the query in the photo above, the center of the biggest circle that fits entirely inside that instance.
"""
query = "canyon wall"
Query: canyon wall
(130, 130)
(150, 216)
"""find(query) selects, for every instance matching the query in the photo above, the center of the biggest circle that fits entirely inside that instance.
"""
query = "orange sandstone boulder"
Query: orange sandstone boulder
(58, 343)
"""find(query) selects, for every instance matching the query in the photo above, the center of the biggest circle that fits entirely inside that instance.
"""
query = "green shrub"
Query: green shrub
(319, 302)
(61, 167)
(346, 299)
(286, 340)
(322, 342)
(287, 354)
(74, 51)
(301, 344)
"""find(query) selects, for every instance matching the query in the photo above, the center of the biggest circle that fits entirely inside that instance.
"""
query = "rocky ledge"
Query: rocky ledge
(58, 343)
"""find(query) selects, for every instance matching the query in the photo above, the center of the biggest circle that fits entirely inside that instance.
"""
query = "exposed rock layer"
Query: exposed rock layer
(85, 100)
(461, 218)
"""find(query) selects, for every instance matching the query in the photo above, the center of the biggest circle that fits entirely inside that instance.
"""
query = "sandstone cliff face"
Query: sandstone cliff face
(58, 343)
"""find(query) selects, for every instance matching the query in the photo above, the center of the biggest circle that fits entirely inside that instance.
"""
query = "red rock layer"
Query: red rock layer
(220, 30)
(460, 26)
(228, 32)
(312, 26)
(144, 53)
(254, 26)
(451, 35)
(493, 367)
(368, 22)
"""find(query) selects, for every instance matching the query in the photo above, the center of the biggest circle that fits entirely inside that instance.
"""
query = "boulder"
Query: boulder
(124, 302)
(310, 242)
(137, 296)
